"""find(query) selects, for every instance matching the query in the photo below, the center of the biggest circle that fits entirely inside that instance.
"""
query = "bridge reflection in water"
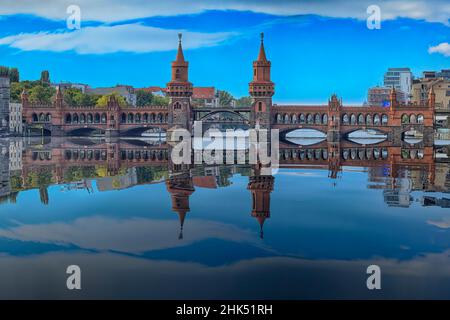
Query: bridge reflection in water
(123, 163)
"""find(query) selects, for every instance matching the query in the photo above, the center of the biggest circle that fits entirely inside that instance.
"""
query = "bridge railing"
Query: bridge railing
(40, 105)
(150, 107)
(84, 107)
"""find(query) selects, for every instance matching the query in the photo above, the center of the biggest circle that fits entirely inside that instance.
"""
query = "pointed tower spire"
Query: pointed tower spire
(262, 51)
(24, 94)
(431, 97)
(180, 55)
(58, 97)
(180, 188)
(261, 220)
(393, 98)
(260, 186)
(180, 65)
(182, 216)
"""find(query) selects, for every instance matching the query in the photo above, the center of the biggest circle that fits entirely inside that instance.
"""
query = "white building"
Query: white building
(15, 118)
(15, 155)
(400, 78)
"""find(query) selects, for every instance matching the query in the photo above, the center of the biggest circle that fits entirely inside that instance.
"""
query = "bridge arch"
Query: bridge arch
(361, 119)
(139, 131)
(345, 118)
(302, 118)
(376, 119)
(235, 114)
(85, 132)
(365, 153)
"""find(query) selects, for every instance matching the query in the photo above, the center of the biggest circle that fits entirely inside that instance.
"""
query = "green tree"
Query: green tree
(15, 91)
(225, 98)
(89, 99)
(244, 102)
(41, 94)
(72, 96)
(45, 77)
(103, 100)
(143, 98)
(17, 88)
(13, 75)
(160, 101)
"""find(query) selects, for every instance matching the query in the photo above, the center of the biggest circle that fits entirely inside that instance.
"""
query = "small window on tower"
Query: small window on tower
(177, 74)
(259, 106)
(254, 72)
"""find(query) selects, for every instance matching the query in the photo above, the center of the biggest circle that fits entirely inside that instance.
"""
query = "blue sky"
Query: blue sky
(316, 48)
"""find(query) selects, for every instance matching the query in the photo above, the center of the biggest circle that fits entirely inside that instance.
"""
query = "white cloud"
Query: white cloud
(442, 48)
(443, 224)
(118, 10)
(133, 235)
(108, 39)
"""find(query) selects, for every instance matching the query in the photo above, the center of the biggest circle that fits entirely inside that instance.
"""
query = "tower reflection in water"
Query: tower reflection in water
(76, 163)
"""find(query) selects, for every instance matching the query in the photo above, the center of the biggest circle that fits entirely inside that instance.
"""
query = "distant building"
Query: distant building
(67, 85)
(400, 195)
(441, 87)
(15, 118)
(444, 74)
(379, 96)
(156, 91)
(127, 92)
(206, 97)
(428, 201)
(4, 104)
(400, 78)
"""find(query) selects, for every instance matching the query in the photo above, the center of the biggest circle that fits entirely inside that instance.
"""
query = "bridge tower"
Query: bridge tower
(334, 135)
(261, 89)
(334, 118)
(260, 186)
(181, 187)
(113, 116)
(180, 91)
